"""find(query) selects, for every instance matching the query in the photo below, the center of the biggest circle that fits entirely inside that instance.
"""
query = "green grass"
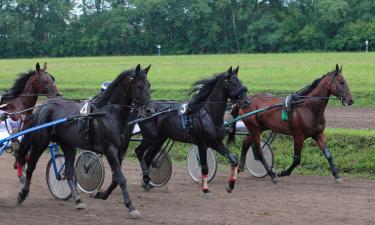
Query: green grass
(172, 76)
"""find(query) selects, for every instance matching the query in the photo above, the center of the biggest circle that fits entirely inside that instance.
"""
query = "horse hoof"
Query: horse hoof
(339, 180)
(19, 199)
(229, 189)
(135, 214)
(275, 180)
(146, 187)
(207, 195)
(94, 194)
(81, 205)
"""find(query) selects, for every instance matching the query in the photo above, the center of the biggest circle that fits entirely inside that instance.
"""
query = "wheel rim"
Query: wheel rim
(160, 170)
(59, 188)
(254, 166)
(194, 167)
(89, 172)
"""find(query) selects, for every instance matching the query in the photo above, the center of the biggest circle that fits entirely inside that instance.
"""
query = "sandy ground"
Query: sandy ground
(350, 117)
(294, 200)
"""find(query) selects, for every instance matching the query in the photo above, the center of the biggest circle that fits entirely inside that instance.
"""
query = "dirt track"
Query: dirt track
(350, 117)
(295, 200)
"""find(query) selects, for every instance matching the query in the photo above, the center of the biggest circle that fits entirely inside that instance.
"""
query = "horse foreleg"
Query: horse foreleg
(234, 166)
(202, 150)
(298, 144)
(114, 162)
(320, 141)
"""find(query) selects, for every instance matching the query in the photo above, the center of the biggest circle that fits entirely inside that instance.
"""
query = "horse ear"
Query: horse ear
(138, 68)
(37, 67)
(340, 68)
(147, 69)
(236, 70)
(45, 66)
(337, 68)
(230, 70)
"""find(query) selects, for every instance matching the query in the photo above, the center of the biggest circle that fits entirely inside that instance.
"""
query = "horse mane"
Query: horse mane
(306, 90)
(102, 98)
(19, 85)
(201, 89)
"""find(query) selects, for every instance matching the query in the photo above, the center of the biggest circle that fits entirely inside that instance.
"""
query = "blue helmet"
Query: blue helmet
(105, 85)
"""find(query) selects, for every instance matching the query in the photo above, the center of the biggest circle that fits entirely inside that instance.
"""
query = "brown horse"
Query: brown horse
(19, 100)
(25, 91)
(306, 119)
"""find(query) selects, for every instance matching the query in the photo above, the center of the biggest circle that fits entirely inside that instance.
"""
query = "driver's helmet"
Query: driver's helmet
(105, 85)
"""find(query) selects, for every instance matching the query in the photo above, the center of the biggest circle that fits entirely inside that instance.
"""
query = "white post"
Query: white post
(158, 47)
(366, 42)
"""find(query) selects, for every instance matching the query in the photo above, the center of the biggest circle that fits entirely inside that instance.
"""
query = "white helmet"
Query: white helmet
(105, 85)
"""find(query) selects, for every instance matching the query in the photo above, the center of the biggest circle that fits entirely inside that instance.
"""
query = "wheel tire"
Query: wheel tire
(194, 167)
(59, 188)
(160, 169)
(91, 179)
(254, 166)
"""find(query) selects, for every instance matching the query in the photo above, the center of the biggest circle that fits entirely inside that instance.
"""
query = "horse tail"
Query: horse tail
(232, 132)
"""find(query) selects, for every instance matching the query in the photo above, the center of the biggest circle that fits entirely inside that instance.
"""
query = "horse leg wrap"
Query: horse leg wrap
(19, 169)
(233, 174)
(327, 153)
(205, 183)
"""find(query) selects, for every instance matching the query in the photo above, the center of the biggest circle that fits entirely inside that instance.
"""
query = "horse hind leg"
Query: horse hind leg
(298, 145)
(260, 155)
(31, 164)
(247, 141)
(204, 169)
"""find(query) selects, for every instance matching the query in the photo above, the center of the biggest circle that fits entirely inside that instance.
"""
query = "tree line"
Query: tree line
(125, 27)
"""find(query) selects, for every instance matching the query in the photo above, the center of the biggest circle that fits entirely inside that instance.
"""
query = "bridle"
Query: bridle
(340, 94)
(234, 95)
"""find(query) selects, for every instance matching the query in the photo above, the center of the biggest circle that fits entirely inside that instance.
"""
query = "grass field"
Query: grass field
(172, 76)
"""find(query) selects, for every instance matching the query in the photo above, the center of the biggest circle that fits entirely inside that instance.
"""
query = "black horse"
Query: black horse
(108, 133)
(203, 125)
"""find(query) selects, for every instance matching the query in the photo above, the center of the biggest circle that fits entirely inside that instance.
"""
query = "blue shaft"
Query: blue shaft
(31, 129)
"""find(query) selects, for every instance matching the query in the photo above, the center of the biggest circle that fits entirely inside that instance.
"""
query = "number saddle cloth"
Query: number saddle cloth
(198, 124)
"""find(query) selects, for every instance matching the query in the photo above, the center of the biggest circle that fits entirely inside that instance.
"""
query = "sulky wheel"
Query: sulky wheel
(90, 172)
(57, 184)
(160, 169)
(254, 165)
(194, 166)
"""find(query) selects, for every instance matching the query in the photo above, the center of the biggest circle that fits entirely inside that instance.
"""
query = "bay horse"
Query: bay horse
(206, 130)
(26, 89)
(107, 134)
(19, 100)
(306, 120)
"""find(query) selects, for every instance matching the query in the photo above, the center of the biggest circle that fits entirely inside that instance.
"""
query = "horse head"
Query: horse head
(340, 88)
(44, 83)
(235, 90)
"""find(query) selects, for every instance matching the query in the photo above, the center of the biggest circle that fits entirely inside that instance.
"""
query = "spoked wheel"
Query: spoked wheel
(194, 165)
(58, 186)
(90, 172)
(160, 169)
(254, 165)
